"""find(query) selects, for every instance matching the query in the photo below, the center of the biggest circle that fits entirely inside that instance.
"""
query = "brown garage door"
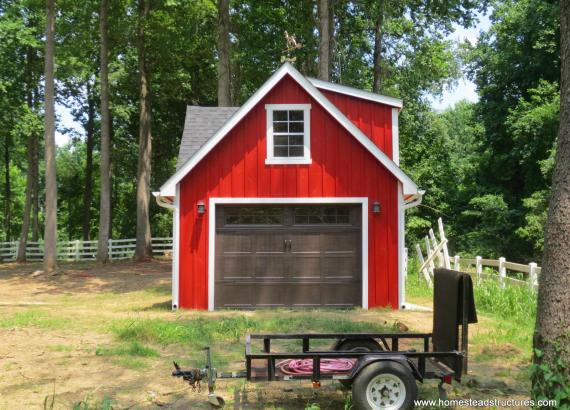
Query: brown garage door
(299, 256)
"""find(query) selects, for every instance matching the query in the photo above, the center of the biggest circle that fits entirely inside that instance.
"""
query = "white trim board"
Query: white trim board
(363, 201)
(176, 251)
(355, 92)
(169, 187)
(401, 246)
(395, 136)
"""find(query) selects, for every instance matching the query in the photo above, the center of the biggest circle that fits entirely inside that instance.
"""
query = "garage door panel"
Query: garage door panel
(269, 242)
(235, 267)
(307, 242)
(234, 295)
(304, 295)
(234, 242)
(341, 267)
(270, 267)
(341, 294)
(270, 295)
(306, 267)
(340, 242)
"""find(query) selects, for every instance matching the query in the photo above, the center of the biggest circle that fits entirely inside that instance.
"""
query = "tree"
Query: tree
(105, 200)
(378, 34)
(224, 74)
(324, 39)
(50, 232)
(551, 378)
(143, 249)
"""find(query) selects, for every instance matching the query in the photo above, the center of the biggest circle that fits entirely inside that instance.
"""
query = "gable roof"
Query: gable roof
(355, 92)
(199, 126)
(169, 187)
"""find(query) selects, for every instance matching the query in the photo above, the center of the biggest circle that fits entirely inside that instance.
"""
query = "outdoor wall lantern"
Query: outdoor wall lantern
(376, 207)
(201, 207)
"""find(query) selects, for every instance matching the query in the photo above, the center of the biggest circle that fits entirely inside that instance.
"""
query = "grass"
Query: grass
(202, 331)
(134, 349)
(32, 317)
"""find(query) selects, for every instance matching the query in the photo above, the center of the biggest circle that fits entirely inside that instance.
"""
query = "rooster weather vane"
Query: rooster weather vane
(291, 45)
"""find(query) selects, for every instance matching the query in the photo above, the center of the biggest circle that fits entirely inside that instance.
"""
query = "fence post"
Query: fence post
(434, 244)
(442, 238)
(532, 275)
(110, 249)
(456, 265)
(478, 268)
(77, 249)
(15, 250)
(426, 270)
(428, 250)
(502, 271)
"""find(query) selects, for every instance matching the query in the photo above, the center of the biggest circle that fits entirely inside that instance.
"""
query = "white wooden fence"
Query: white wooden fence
(82, 250)
(437, 252)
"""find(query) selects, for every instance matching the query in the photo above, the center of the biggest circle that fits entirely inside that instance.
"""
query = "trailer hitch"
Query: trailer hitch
(195, 376)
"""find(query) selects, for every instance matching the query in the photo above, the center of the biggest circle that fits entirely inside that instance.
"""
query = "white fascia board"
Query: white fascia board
(355, 92)
(168, 189)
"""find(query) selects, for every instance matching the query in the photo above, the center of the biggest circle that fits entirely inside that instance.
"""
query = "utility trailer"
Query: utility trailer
(383, 374)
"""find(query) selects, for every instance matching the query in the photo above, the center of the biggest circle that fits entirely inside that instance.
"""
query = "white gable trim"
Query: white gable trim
(355, 92)
(169, 187)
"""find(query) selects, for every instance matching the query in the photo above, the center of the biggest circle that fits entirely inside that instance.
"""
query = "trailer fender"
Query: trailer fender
(401, 359)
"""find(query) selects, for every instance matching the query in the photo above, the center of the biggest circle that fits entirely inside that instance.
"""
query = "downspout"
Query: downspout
(160, 200)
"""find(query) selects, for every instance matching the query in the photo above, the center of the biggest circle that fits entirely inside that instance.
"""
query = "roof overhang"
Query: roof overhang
(355, 92)
(168, 189)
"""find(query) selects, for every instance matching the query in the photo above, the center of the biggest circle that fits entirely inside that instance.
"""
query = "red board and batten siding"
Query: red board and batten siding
(341, 167)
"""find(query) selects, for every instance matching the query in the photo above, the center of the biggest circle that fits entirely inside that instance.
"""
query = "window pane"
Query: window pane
(254, 215)
(331, 215)
(279, 115)
(296, 151)
(281, 139)
(296, 115)
(295, 140)
(296, 127)
(279, 127)
(280, 151)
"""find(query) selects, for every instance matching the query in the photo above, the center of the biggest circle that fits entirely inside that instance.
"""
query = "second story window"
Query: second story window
(288, 134)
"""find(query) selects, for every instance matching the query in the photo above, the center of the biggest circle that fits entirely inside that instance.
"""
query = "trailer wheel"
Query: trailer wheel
(357, 345)
(384, 386)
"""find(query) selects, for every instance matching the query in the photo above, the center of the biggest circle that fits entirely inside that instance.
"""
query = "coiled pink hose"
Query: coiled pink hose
(305, 366)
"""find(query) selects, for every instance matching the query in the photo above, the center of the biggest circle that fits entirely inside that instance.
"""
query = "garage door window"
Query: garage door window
(309, 215)
(254, 215)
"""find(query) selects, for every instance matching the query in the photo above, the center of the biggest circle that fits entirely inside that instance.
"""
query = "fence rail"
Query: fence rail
(82, 250)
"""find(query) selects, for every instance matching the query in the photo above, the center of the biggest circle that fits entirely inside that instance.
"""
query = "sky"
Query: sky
(463, 90)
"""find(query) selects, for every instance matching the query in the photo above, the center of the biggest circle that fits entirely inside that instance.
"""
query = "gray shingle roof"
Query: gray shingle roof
(200, 125)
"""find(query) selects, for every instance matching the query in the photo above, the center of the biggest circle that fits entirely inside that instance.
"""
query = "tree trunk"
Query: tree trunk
(50, 232)
(105, 200)
(88, 193)
(324, 43)
(552, 334)
(224, 76)
(378, 33)
(36, 191)
(7, 188)
(31, 177)
(143, 249)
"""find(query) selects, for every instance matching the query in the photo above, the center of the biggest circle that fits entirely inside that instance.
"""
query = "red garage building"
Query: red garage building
(293, 199)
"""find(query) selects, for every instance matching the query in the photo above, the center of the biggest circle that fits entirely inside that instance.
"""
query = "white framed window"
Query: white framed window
(288, 134)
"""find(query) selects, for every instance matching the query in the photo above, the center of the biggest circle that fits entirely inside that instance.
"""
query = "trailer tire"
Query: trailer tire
(357, 345)
(385, 385)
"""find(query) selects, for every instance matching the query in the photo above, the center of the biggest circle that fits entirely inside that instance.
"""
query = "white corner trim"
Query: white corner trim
(401, 246)
(168, 188)
(355, 92)
(363, 201)
(395, 136)
(272, 159)
(176, 251)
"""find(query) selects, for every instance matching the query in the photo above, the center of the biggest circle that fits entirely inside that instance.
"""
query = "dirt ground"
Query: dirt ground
(53, 327)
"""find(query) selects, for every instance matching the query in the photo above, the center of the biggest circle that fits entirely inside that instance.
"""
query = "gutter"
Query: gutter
(161, 201)
(417, 201)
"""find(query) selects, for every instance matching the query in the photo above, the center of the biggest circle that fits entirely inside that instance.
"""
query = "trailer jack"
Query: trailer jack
(196, 375)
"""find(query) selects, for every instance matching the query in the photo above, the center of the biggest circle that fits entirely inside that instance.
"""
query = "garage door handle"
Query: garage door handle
(289, 243)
